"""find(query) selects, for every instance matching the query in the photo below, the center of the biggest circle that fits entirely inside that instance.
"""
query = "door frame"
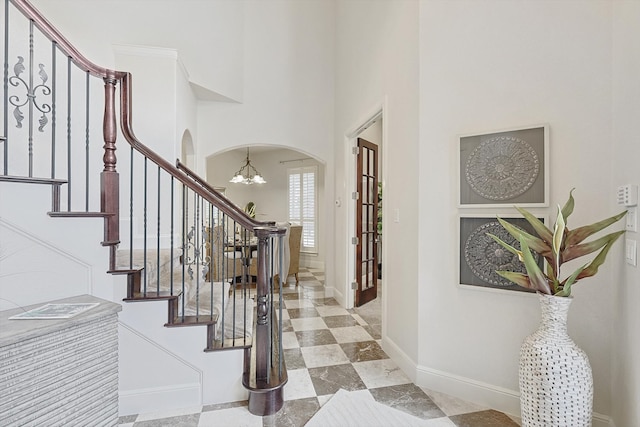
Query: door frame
(367, 249)
(379, 111)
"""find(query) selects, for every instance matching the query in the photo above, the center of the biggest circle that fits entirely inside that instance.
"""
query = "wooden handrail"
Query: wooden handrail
(63, 44)
(206, 192)
(224, 201)
(110, 76)
(267, 397)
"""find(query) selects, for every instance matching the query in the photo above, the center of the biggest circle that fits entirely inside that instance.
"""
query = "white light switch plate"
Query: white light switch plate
(632, 219)
(630, 253)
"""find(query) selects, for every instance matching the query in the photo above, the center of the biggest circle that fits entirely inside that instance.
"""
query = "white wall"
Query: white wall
(288, 92)
(186, 26)
(625, 377)
(376, 66)
(153, 95)
(490, 65)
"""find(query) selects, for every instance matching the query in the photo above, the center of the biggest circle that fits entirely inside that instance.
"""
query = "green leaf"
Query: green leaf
(517, 278)
(544, 233)
(558, 235)
(566, 288)
(579, 234)
(535, 243)
(537, 277)
(576, 251)
(567, 209)
(506, 246)
(592, 268)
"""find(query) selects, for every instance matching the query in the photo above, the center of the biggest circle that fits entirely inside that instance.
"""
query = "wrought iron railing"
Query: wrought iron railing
(172, 234)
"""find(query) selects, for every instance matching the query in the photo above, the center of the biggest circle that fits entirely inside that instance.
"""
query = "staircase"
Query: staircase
(59, 132)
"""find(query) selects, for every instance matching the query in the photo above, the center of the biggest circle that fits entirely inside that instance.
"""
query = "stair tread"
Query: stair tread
(152, 295)
(32, 180)
(181, 321)
(230, 344)
(79, 214)
(124, 271)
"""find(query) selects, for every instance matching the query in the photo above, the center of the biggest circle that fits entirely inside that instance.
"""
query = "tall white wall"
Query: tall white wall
(186, 26)
(625, 282)
(288, 92)
(377, 67)
(490, 65)
(288, 75)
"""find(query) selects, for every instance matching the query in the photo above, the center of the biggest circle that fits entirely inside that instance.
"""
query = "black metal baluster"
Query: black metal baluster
(282, 276)
(171, 237)
(185, 255)
(86, 150)
(158, 236)
(69, 134)
(5, 101)
(208, 255)
(131, 211)
(144, 227)
(53, 108)
(194, 259)
(270, 268)
(30, 101)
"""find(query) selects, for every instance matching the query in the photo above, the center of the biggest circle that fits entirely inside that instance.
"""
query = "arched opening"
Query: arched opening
(278, 165)
(187, 152)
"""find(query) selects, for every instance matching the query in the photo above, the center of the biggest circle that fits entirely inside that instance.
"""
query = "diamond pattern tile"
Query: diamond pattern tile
(328, 348)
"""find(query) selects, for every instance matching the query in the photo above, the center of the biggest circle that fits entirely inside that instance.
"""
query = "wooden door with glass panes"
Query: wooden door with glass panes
(367, 223)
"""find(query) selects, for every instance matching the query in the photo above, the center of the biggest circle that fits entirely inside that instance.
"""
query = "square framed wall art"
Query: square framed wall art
(505, 168)
(481, 256)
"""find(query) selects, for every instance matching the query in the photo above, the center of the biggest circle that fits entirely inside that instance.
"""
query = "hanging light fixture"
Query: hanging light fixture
(248, 174)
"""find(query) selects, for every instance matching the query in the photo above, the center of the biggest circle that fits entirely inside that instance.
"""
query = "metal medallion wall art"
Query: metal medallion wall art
(481, 256)
(504, 168)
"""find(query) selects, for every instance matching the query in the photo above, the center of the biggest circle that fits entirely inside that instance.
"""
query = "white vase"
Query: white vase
(556, 384)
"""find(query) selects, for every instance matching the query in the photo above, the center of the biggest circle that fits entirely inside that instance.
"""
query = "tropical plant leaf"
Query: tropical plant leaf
(576, 251)
(519, 279)
(557, 247)
(542, 230)
(506, 246)
(558, 235)
(579, 234)
(566, 288)
(535, 243)
(592, 268)
(567, 209)
(550, 271)
(537, 277)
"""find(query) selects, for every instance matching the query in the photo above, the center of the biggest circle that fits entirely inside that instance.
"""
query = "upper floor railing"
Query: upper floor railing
(61, 117)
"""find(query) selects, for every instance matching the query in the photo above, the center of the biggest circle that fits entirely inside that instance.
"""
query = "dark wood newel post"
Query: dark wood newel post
(266, 395)
(109, 180)
(263, 327)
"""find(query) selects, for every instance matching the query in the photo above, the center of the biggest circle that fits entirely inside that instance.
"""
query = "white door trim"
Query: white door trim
(380, 110)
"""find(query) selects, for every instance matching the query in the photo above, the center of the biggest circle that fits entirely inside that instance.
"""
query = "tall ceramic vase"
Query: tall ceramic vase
(556, 384)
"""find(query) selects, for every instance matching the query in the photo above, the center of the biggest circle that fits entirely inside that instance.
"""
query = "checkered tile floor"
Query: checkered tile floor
(328, 348)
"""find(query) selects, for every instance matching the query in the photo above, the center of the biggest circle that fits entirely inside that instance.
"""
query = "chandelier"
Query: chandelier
(248, 174)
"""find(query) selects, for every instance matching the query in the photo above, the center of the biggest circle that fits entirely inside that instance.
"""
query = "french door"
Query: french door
(367, 223)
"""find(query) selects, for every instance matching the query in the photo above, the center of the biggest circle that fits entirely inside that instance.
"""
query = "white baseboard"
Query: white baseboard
(481, 393)
(311, 263)
(478, 392)
(334, 293)
(405, 363)
(600, 420)
(150, 399)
